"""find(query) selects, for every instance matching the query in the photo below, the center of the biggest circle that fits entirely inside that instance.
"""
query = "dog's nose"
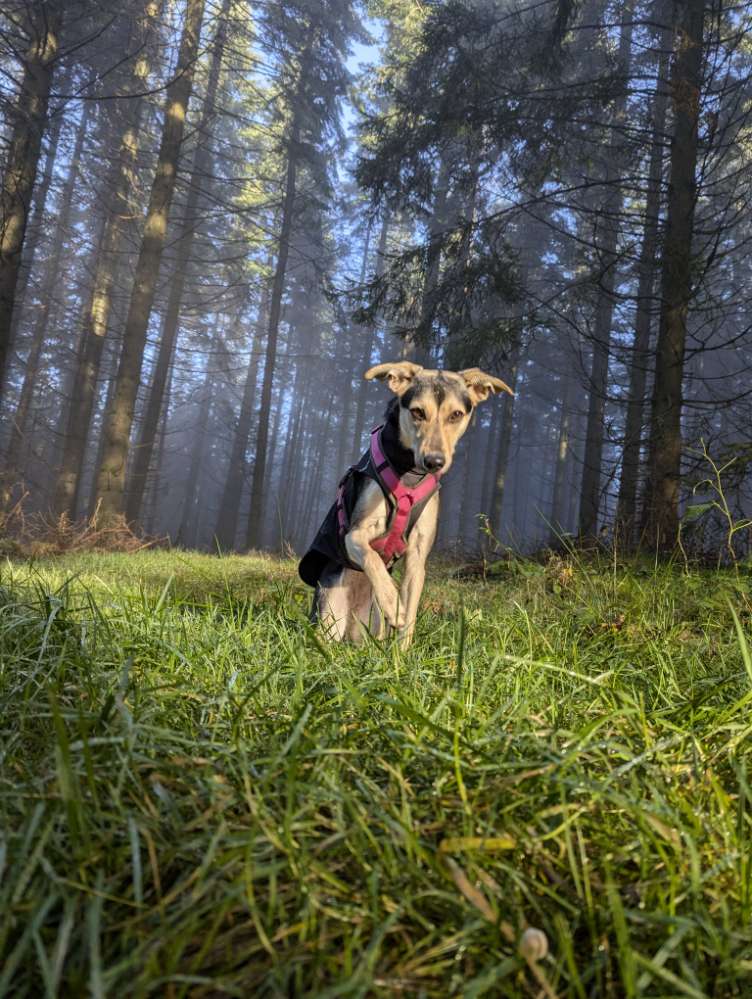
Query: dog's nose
(434, 462)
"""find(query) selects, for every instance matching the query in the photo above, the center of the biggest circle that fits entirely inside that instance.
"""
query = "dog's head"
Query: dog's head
(435, 407)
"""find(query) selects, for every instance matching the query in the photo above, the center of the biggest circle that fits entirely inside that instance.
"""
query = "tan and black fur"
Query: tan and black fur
(432, 410)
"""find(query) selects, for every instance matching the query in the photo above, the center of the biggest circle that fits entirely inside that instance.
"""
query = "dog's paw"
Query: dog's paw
(391, 608)
(395, 617)
(399, 620)
(406, 638)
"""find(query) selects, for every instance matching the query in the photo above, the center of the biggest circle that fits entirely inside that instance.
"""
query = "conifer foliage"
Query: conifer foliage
(215, 214)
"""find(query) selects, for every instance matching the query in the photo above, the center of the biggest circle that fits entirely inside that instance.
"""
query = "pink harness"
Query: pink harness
(390, 546)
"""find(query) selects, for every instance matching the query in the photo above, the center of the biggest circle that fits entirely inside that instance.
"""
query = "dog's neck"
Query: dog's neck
(400, 457)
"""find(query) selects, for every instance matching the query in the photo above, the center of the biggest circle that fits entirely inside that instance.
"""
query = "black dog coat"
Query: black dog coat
(406, 494)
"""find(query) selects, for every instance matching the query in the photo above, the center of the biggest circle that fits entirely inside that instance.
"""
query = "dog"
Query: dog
(387, 505)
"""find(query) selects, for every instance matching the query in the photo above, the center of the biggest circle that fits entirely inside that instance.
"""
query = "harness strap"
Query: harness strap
(392, 545)
(402, 498)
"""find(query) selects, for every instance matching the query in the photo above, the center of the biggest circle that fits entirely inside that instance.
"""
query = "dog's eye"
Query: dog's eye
(456, 416)
(417, 414)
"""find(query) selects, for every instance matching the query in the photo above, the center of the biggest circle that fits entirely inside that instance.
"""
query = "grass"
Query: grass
(200, 798)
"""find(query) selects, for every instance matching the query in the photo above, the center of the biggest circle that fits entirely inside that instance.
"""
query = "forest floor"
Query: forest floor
(200, 798)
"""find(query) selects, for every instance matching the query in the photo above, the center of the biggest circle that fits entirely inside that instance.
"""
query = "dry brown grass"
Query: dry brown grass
(38, 535)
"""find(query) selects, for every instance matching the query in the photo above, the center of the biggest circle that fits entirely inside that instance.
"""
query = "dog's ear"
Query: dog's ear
(480, 385)
(397, 374)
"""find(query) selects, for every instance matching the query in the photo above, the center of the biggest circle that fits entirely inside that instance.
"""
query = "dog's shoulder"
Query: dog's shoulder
(371, 510)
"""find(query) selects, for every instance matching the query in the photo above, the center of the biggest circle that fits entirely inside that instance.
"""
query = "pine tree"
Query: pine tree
(313, 77)
(41, 29)
(662, 498)
(201, 168)
(49, 286)
(117, 194)
(118, 422)
(607, 246)
(626, 514)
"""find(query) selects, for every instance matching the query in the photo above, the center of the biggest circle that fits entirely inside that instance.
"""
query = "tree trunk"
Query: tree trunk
(93, 504)
(318, 446)
(49, 289)
(201, 168)
(594, 435)
(417, 347)
(347, 401)
(118, 420)
(505, 442)
(626, 514)
(256, 511)
(284, 369)
(229, 507)
(35, 228)
(488, 471)
(559, 498)
(294, 464)
(150, 521)
(369, 340)
(96, 317)
(465, 512)
(662, 497)
(21, 165)
(574, 476)
(187, 530)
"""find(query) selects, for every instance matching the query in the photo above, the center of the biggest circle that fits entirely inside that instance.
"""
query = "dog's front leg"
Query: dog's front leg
(369, 520)
(358, 546)
(418, 548)
(410, 592)
(332, 602)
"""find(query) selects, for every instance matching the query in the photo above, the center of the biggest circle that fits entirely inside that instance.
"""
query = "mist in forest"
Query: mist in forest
(215, 215)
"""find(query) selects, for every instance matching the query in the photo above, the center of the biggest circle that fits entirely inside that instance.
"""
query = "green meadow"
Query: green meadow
(200, 797)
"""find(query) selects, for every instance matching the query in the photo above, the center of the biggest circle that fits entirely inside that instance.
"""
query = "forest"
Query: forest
(217, 215)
